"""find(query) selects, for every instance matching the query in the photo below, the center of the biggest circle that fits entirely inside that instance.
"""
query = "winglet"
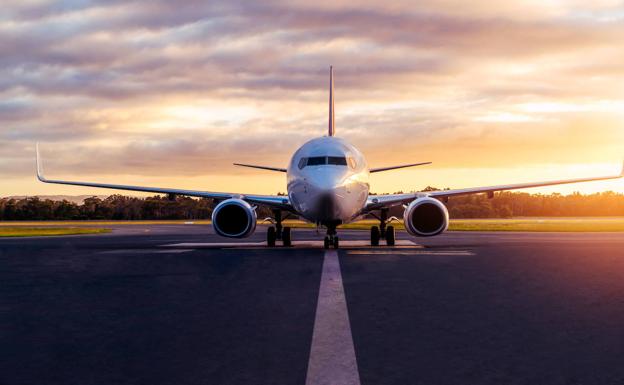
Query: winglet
(39, 165)
(332, 128)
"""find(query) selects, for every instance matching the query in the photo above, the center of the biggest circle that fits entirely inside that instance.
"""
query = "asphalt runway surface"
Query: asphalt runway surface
(163, 305)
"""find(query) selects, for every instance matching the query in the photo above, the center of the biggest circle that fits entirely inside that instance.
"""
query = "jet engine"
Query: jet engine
(425, 217)
(234, 218)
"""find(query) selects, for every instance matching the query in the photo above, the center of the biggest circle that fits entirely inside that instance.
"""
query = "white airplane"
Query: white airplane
(327, 184)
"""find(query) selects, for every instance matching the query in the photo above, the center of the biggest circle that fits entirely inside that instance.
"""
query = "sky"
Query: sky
(170, 94)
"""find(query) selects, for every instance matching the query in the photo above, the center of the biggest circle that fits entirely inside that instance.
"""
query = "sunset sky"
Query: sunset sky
(163, 94)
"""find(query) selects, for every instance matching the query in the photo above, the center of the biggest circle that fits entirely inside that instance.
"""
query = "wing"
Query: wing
(376, 202)
(278, 202)
(379, 169)
(279, 169)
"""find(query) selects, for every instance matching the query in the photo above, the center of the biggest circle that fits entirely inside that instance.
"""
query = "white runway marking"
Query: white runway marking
(459, 253)
(215, 245)
(311, 243)
(145, 251)
(332, 355)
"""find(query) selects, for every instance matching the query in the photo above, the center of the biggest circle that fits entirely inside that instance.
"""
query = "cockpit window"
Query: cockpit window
(317, 160)
(337, 160)
(322, 160)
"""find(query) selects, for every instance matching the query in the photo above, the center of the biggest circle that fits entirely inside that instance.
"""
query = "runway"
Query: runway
(159, 305)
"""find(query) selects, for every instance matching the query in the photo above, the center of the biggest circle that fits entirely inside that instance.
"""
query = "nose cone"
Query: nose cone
(327, 179)
(329, 190)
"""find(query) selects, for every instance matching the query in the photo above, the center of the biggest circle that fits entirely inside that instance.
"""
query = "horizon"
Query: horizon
(74, 197)
(491, 94)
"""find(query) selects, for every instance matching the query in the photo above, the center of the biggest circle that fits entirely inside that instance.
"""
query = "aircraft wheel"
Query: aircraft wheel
(336, 243)
(390, 236)
(326, 243)
(271, 236)
(286, 236)
(375, 235)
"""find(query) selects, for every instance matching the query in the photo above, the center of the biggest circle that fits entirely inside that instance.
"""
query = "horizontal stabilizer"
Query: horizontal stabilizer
(279, 169)
(396, 167)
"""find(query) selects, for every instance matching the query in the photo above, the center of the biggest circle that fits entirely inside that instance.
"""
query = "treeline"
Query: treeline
(119, 207)
(517, 204)
(114, 207)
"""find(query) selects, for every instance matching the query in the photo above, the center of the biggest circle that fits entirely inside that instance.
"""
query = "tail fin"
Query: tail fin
(332, 128)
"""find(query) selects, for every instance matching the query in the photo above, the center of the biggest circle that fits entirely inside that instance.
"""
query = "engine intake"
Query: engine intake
(234, 218)
(425, 217)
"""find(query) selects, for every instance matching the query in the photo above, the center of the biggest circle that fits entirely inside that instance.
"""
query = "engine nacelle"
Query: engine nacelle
(425, 217)
(234, 218)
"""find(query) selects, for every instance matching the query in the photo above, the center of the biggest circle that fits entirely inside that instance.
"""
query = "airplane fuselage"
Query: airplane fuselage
(328, 181)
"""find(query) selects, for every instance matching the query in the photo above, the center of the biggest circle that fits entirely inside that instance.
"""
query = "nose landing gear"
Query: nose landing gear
(331, 239)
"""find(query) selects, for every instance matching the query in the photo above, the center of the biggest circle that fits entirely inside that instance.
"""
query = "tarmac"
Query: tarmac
(176, 304)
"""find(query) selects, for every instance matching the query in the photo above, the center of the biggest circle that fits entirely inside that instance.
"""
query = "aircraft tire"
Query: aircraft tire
(390, 236)
(271, 236)
(375, 235)
(286, 239)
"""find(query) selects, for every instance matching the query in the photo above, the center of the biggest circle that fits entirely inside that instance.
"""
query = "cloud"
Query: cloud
(162, 87)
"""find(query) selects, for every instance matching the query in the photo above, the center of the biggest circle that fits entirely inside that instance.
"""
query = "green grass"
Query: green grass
(23, 231)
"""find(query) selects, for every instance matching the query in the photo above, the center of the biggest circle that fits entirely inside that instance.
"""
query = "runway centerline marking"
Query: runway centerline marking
(332, 354)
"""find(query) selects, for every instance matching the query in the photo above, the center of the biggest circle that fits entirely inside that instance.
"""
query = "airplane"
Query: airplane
(328, 185)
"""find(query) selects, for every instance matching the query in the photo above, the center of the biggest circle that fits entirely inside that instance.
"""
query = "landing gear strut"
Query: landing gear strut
(382, 222)
(278, 223)
(331, 239)
(278, 232)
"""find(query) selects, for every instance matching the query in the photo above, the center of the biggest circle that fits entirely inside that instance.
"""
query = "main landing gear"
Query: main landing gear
(383, 231)
(278, 232)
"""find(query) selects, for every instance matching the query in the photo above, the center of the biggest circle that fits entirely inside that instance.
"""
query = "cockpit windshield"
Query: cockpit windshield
(316, 160)
(322, 160)
(337, 160)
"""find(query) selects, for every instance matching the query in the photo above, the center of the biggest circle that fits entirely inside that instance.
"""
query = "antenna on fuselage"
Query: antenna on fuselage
(332, 128)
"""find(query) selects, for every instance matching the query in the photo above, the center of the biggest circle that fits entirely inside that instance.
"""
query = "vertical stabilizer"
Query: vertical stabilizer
(332, 128)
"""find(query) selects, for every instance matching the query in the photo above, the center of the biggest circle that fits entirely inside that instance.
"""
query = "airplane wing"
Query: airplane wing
(279, 169)
(379, 169)
(278, 202)
(376, 202)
